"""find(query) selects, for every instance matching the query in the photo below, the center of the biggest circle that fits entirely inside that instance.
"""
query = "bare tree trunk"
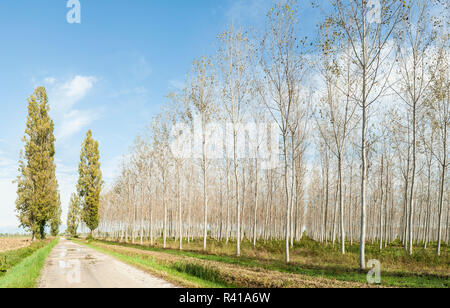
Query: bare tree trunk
(413, 177)
(362, 250)
(151, 224)
(327, 188)
(165, 216)
(288, 207)
(256, 204)
(180, 222)
(350, 215)
(236, 183)
(428, 204)
(441, 203)
(227, 229)
(341, 204)
(380, 218)
(205, 197)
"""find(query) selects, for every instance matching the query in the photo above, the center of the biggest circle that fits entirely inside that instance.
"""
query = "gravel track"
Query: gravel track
(71, 265)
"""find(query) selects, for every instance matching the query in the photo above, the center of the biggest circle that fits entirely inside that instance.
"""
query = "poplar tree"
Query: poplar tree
(24, 198)
(37, 188)
(367, 29)
(55, 220)
(73, 215)
(90, 181)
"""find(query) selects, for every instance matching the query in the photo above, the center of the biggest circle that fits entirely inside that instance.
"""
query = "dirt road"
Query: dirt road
(71, 265)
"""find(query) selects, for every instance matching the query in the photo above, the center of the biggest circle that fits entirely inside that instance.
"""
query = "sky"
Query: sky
(110, 73)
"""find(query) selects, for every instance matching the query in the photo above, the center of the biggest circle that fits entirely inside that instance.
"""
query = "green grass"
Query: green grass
(317, 260)
(26, 273)
(177, 273)
(11, 258)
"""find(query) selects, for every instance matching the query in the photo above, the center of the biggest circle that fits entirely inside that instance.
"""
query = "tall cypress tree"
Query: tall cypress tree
(37, 188)
(55, 220)
(73, 215)
(90, 181)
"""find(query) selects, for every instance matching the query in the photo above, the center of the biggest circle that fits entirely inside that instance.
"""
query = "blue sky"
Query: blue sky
(109, 74)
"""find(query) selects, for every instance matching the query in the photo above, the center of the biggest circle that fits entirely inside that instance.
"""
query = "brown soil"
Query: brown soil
(13, 243)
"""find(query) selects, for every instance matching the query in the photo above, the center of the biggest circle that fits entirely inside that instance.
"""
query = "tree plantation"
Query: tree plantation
(361, 116)
(239, 144)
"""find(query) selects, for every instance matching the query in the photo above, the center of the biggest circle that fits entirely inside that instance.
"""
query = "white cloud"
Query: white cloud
(79, 86)
(8, 167)
(65, 95)
(73, 122)
(3, 160)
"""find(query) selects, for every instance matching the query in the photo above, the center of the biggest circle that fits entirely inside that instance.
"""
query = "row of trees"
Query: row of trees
(38, 200)
(361, 114)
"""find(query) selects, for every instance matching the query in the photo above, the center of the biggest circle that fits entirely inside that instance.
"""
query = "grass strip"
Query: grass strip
(11, 258)
(232, 275)
(26, 273)
(390, 278)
